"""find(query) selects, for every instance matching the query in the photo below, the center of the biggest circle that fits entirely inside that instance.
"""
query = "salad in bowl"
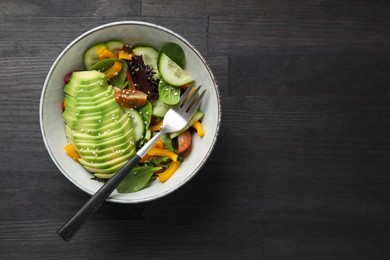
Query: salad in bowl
(118, 103)
(107, 94)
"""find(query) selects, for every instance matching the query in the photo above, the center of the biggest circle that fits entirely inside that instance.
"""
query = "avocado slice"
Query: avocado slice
(95, 124)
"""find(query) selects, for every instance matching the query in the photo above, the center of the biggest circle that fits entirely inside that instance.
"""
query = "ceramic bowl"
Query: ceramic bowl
(132, 32)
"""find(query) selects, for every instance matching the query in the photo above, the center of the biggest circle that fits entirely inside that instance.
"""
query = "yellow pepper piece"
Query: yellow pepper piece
(155, 128)
(124, 55)
(71, 151)
(147, 157)
(114, 70)
(103, 53)
(199, 128)
(165, 175)
(163, 152)
(159, 144)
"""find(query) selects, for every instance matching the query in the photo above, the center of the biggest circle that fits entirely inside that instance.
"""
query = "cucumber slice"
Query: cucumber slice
(172, 73)
(114, 46)
(160, 108)
(148, 135)
(90, 56)
(138, 124)
(149, 56)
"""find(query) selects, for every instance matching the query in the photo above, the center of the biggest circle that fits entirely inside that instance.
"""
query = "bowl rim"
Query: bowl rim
(141, 23)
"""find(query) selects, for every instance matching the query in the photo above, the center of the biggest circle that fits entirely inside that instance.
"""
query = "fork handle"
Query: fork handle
(71, 227)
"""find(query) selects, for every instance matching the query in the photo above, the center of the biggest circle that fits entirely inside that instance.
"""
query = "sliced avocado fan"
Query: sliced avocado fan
(95, 124)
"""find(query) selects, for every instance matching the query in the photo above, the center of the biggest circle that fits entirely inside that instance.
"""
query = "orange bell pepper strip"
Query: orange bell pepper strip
(155, 128)
(186, 86)
(71, 151)
(165, 175)
(114, 70)
(199, 128)
(159, 144)
(124, 55)
(103, 53)
(163, 152)
(147, 157)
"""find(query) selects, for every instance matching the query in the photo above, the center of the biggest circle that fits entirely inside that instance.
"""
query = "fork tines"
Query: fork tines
(190, 100)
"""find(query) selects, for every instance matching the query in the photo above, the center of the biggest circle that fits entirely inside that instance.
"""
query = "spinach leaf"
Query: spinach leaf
(137, 179)
(119, 80)
(146, 113)
(174, 52)
(168, 94)
(168, 143)
(160, 160)
(104, 65)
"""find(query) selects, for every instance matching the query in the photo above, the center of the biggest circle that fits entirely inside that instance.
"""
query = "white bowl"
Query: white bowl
(52, 124)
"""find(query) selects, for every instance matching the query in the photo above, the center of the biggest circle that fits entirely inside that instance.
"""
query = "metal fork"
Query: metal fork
(176, 119)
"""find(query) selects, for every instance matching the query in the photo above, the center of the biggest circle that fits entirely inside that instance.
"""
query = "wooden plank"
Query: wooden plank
(311, 197)
(123, 239)
(378, 198)
(251, 35)
(267, 8)
(311, 71)
(308, 239)
(198, 8)
(114, 8)
(220, 68)
(47, 36)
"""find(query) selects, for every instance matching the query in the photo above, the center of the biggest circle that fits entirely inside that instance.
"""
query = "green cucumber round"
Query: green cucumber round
(114, 46)
(91, 56)
(138, 123)
(160, 108)
(172, 73)
(149, 56)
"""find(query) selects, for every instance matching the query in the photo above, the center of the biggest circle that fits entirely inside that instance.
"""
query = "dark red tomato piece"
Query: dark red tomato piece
(155, 120)
(131, 98)
(67, 77)
(63, 106)
(184, 141)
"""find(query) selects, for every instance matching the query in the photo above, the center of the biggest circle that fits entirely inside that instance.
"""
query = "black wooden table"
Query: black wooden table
(301, 169)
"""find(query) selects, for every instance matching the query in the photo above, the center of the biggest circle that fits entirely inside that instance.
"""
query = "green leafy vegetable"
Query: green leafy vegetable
(120, 79)
(174, 52)
(167, 141)
(168, 94)
(160, 160)
(142, 76)
(146, 113)
(103, 65)
(137, 179)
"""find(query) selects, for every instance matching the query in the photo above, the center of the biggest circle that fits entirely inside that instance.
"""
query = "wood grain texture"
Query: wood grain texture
(300, 169)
